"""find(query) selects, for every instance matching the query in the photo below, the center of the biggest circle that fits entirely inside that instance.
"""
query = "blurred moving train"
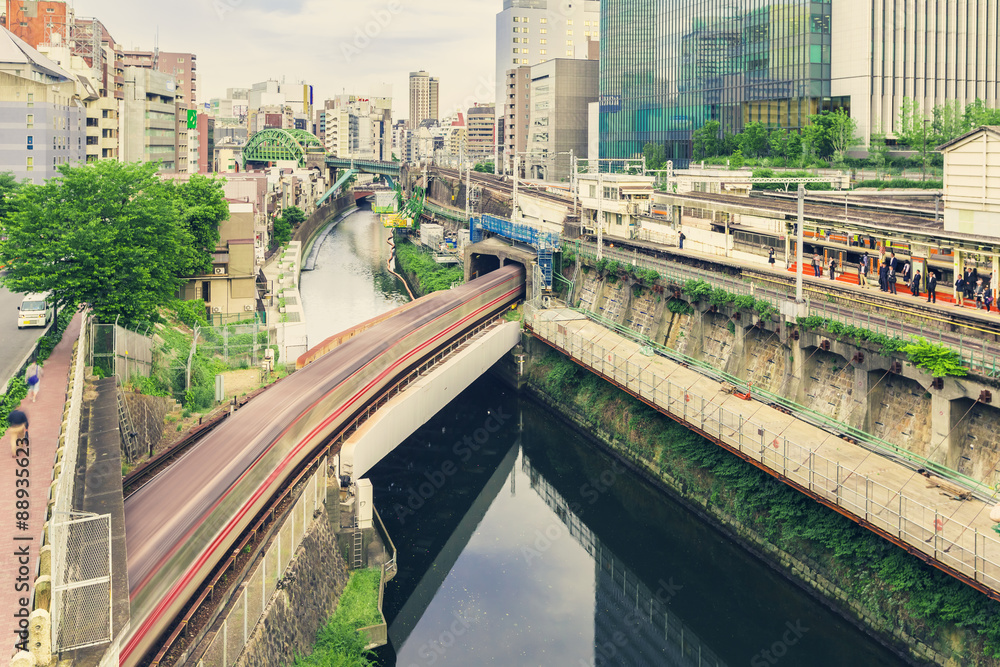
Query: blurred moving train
(183, 523)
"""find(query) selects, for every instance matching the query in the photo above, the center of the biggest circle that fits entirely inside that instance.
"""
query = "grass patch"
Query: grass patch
(430, 276)
(338, 643)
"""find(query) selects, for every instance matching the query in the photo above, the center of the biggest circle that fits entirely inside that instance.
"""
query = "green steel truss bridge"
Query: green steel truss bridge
(390, 169)
(275, 145)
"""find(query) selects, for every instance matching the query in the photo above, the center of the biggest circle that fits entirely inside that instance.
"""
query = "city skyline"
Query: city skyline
(360, 45)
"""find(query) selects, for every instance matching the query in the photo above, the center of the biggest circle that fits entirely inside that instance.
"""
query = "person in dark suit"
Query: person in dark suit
(890, 278)
(915, 284)
(833, 268)
(932, 287)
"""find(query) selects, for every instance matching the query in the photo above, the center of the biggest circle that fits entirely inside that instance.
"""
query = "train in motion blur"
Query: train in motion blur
(182, 524)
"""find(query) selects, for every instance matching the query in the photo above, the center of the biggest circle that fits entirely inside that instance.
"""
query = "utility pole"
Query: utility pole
(600, 213)
(513, 203)
(799, 235)
(468, 192)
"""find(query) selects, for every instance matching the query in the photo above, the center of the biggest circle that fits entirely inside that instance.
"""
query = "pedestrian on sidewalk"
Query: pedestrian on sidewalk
(770, 257)
(33, 377)
(891, 280)
(915, 284)
(680, 241)
(17, 429)
(815, 265)
(960, 291)
(932, 287)
(833, 268)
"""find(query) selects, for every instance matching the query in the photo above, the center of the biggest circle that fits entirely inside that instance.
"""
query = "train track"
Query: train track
(497, 184)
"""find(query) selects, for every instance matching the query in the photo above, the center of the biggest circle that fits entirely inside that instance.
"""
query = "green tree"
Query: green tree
(794, 146)
(203, 208)
(9, 187)
(914, 130)
(753, 141)
(484, 167)
(777, 142)
(108, 234)
(286, 224)
(818, 134)
(655, 156)
(737, 160)
(843, 133)
(947, 122)
(878, 152)
(977, 114)
(706, 140)
(294, 216)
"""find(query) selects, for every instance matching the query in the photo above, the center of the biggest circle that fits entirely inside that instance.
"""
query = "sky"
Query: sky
(337, 46)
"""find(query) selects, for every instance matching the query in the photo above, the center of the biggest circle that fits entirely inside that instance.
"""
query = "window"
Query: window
(593, 190)
(31, 143)
(569, 42)
(586, 34)
(517, 19)
(30, 121)
(569, 33)
(524, 61)
(30, 166)
(524, 30)
(569, 21)
(180, 60)
(517, 50)
(541, 52)
(543, 41)
(543, 20)
(569, 53)
(516, 61)
(543, 31)
(586, 24)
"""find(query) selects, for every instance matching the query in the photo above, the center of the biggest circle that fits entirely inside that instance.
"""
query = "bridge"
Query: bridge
(351, 406)
(390, 169)
(274, 145)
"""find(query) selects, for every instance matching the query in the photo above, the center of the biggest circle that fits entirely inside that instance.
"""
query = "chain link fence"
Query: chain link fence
(121, 352)
(265, 579)
(82, 582)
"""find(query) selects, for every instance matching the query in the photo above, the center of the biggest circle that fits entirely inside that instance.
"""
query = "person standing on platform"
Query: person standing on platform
(970, 284)
(815, 265)
(680, 241)
(960, 291)
(906, 273)
(770, 257)
(931, 287)
(988, 299)
(915, 284)
(978, 293)
(883, 269)
(833, 268)
(890, 278)
(861, 273)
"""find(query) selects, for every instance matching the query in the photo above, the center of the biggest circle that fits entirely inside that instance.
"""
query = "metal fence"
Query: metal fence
(82, 581)
(235, 344)
(955, 545)
(248, 608)
(974, 353)
(81, 545)
(118, 351)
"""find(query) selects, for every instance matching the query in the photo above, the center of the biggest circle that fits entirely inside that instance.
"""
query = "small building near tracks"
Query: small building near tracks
(972, 182)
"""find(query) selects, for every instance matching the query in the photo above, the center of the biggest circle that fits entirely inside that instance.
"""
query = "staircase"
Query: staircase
(129, 436)
(357, 548)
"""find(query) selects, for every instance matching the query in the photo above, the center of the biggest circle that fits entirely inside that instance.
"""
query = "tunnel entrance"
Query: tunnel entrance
(480, 265)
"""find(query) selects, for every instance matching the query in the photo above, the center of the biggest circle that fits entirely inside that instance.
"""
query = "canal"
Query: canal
(522, 543)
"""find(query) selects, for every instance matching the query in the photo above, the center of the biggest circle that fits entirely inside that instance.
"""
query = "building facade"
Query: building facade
(35, 22)
(183, 67)
(516, 112)
(532, 31)
(560, 92)
(778, 61)
(424, 97)
(149, 122)
(480, 136)
(42, 120)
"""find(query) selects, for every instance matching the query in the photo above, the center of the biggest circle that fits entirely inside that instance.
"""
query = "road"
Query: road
(15, 343)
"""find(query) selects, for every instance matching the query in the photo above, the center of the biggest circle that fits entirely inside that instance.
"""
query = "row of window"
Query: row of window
(56, 161)
(58, 143)
(524, 61)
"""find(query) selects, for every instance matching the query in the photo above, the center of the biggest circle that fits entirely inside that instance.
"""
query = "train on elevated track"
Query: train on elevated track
(181, 525)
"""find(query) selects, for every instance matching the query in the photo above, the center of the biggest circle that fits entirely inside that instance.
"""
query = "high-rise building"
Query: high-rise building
(358, 126)
(42, 118)
(516, 113)
(480, 135)
(532, 31)
(183, 67)
(561, 90)
(778, 61)
(149, 122)
(424, 99)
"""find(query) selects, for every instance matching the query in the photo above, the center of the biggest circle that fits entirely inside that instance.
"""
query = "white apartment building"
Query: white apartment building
(532, 31)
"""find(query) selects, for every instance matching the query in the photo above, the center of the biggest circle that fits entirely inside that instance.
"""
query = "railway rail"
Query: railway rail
(497, 184)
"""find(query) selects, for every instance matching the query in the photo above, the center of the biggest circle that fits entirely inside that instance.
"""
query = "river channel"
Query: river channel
(522, 543)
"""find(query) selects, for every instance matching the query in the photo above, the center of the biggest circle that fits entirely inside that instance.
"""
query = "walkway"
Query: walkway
(877, 492)
(45, 418)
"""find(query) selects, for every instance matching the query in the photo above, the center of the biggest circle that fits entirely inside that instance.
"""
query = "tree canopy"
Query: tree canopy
(203, 208)
(111, 235)
(655, 156)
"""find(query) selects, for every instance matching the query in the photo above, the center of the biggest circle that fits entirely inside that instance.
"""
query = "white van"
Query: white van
(36, 310)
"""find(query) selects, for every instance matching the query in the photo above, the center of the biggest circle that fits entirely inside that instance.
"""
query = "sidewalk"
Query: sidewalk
(45, 420)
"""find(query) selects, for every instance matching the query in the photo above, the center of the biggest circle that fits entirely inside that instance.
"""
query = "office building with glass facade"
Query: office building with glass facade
(667, 66)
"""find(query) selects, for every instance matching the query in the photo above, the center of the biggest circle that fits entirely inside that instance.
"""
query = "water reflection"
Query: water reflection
(350, 283)
(538, 549)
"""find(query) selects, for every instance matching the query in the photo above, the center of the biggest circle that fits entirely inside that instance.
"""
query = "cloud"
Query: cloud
(335, 45)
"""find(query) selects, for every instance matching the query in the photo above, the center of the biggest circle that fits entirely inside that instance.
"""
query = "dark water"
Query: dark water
(535, 548)
(521, 543)
(350, 283)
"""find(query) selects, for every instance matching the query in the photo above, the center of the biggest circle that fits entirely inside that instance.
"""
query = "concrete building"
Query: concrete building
(183, 67)
(561, 90)
(424, 98)
(481, 139)
(516, 113)
(42, 120)
(206, 145)
(149, 121)
(532, 31)
(358, 126)
(972, 183)
(709, 61)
